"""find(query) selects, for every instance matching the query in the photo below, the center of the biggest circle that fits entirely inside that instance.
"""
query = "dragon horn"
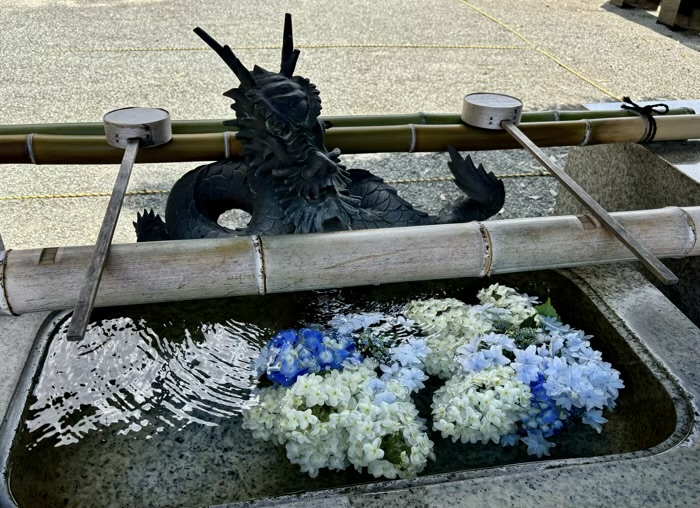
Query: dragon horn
(289, 54)
(229, 57)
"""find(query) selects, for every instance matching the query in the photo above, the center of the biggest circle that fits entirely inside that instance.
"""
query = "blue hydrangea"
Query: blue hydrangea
(510, 440)
(499, 339)
(545, 416)
(567, 377)
(293, 353)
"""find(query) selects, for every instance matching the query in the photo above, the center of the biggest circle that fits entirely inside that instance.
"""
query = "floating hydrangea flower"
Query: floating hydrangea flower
(474, 357)
(537, 444)
(480, 406)
(292, 353)
(345, 324)
(374, 333)
(518, 307)
(341, 418)
(595, 419)
(566, 376)
(543, 416)
(406, 364)
(527, 364)
(446, 325)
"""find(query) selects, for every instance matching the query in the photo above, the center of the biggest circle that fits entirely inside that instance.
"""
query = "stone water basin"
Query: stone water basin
(146, 410)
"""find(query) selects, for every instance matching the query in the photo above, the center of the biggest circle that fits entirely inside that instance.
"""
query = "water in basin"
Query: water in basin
(146, 410)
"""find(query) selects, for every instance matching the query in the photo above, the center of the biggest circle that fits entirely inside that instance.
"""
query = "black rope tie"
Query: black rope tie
(647, 113)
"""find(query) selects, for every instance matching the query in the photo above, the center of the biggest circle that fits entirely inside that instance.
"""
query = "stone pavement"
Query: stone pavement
(74, 60)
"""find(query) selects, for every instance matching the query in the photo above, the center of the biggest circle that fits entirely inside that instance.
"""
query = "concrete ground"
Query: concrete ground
(74, 60)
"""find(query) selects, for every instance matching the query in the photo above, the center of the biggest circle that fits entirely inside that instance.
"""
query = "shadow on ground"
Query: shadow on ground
(648, 19)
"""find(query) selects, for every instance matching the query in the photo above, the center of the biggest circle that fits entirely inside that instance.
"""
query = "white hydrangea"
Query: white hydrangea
(338, 419)
(507, 303)
(447, 324)
(480, 406)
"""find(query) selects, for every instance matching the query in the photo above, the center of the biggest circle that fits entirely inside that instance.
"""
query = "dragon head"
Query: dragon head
(277, 115)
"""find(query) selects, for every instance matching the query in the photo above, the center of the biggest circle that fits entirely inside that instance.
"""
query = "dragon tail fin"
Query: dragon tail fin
(150, 227)
(486, 194)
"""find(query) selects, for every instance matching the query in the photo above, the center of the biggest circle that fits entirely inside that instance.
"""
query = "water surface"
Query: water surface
(146, 410)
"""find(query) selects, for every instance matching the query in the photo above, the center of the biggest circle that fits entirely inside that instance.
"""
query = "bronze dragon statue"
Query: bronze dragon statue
(287, 180)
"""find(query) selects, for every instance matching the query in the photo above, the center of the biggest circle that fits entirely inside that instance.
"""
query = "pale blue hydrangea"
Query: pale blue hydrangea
(537, 444)
(527, 364)
(553, 324)
(406, 364)
(482, 359)
(499, 339)
(594, 418)
(345, 324)
(384, 396)
(412, 378)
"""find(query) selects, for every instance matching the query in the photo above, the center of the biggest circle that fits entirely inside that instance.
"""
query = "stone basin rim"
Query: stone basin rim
(683, 401)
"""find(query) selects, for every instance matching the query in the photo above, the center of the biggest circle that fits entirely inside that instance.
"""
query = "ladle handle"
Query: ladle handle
(642, 253)
(88, 292)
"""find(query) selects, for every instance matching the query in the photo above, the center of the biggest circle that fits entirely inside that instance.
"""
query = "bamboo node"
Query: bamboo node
(587, 134)
(488, 251)
(5, 309)
(260, 275)
(693, 233)
(30, 149)
(413, 138)
(588, 221)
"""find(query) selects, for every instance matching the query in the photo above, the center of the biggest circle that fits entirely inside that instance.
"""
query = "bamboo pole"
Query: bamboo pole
(39, 280)
(217, 125)
(51, 149)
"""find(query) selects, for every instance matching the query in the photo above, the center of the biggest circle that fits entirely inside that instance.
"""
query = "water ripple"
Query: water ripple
(124, 374)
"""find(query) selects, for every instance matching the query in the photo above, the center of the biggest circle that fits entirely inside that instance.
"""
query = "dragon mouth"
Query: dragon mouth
(314, 193)
(316, 174)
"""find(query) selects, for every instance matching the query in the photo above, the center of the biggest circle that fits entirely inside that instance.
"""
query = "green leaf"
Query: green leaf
(546, 309)
(530, 322)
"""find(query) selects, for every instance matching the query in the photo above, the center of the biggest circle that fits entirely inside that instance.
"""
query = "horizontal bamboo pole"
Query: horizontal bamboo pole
(51, 149)
(49, 279)
(217, 125)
